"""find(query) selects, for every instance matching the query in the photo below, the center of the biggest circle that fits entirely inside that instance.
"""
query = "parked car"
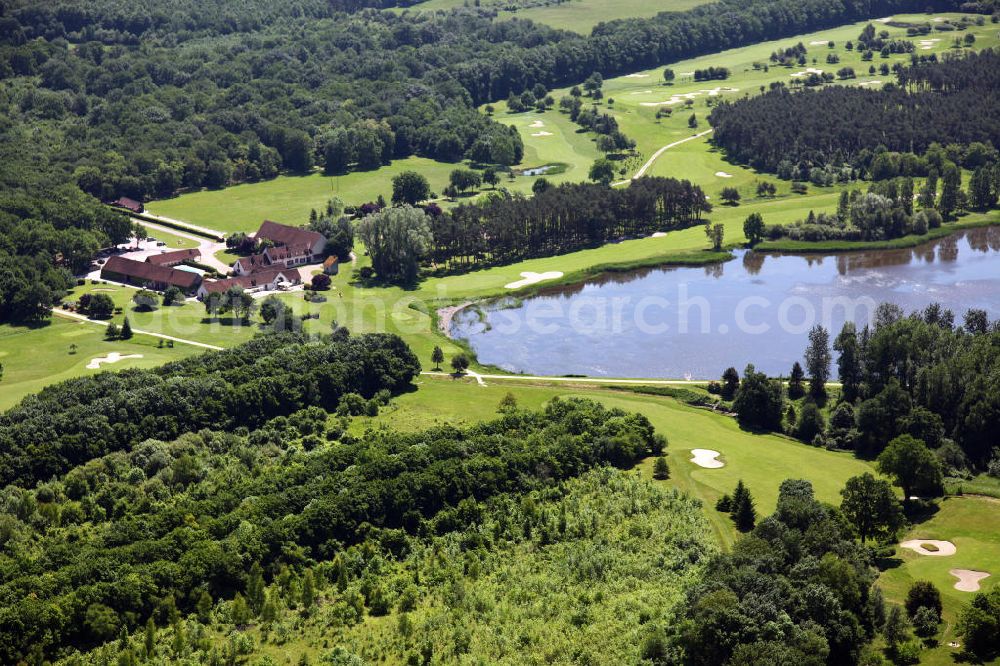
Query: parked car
(160, 243)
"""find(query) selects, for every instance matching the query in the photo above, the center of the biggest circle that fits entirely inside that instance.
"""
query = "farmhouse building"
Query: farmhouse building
(174, 257)
(149, 275)
(295, 240)
(129, 204)
(268, 280)
(287, 247)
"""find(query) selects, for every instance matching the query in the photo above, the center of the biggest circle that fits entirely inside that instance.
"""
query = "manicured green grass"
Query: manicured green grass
(33, 357)
(173, 241)
(973, 525)
(969, 221)
(288, 199)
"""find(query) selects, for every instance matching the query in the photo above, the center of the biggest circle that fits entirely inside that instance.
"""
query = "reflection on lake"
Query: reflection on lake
(672, 322)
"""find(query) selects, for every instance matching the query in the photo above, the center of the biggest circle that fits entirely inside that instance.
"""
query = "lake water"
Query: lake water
(677, 322)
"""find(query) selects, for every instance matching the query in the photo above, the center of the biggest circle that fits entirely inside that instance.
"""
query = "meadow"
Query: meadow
(575, 15)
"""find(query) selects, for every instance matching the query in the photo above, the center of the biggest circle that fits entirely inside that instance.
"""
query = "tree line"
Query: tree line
(947, 102)
(510, 227)
(922, 376)
(272, 375)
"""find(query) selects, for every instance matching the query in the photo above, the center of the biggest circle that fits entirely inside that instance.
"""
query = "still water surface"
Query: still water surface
(673, 322)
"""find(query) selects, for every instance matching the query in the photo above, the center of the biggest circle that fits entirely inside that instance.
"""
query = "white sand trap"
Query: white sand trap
(536, 124)
(884, 20)
(543, 133)
(968, 580)
(819, 41)
(944, 548)
(680, 97)
(723, 174)
(528, 277)
(706, 458)
(875, 82)
(637, 76)
(938, 19)
(113, 357)
(807, 70)
(687, 73)
(641, 92)
(658, 234)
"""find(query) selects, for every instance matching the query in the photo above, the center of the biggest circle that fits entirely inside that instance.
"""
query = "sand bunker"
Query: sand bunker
(884, 20)
(536, 124)
(968, 581)
(807, 71)
(687, 73)
(529, 277)
(637, 76)
(641, 92)
(819, 41)
(113, 357)
(542, 134)
(677, 98)
(944, 548)
(875, 82)
(723, 174)
(706, 458)
(927, 44)
(658, 234)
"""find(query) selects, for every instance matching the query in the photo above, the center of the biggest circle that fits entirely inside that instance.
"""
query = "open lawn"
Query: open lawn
(34, 357)
(973, 525)
(288, 199)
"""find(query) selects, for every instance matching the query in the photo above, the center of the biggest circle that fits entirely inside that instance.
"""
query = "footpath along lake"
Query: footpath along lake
(677, 322)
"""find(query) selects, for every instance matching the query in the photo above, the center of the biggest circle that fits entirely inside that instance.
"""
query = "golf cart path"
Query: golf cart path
(80, 317)
(645, 167)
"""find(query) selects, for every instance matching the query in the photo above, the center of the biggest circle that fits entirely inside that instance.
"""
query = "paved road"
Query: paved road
(73, 315)
(645, 167)
(207, 247)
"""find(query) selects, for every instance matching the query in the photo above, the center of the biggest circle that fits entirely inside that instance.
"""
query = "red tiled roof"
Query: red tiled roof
(282, 234)
(175, 256)
(330, 261)
(252, 262)
(287, 252)
(149, 272)
(131, 204)
(251, 281)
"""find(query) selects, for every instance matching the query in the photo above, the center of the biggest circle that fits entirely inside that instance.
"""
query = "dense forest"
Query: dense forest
(797, 590)
(949, 102)
(236, 94)
(154, 530)
(922, 375)
(242, 387)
